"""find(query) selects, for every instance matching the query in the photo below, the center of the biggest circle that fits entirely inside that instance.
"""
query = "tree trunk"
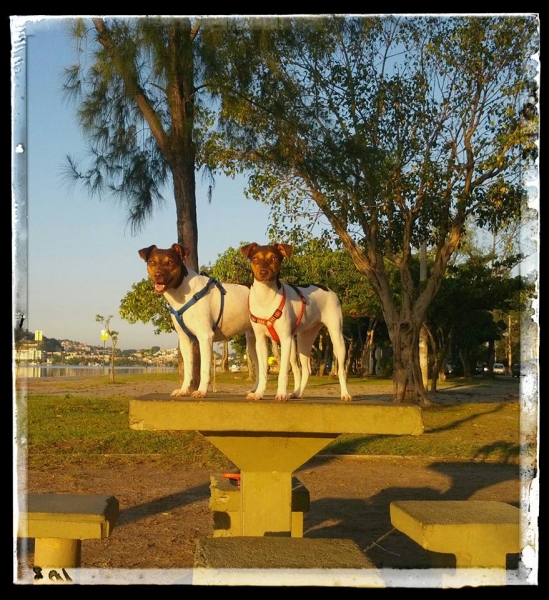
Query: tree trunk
(322, 352)
(350, 359)
(437, 361)
(112, 363)
(407, 378)
(424, 354)
(187, 230)
(491, 356)
(509, 348)
(225, 357)
(251, 370)
(180, 366)
(368, 360)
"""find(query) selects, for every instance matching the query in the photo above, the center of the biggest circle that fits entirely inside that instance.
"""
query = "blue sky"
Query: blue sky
(82, 258)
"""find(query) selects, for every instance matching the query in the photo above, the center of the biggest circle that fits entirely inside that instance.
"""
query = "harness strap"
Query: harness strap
(303, 303)
(178, 314)
(278, 313)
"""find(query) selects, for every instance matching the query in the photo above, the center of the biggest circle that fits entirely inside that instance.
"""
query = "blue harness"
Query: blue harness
(178, 314)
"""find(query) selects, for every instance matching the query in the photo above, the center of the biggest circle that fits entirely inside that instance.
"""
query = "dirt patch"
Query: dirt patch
(164, 507)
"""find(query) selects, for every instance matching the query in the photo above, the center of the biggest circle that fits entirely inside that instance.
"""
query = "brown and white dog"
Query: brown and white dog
(202, 310)
(278, 311)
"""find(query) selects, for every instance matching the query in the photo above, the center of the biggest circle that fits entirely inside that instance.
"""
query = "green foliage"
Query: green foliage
(126, 161)
(382, 146)
(462, 315)
(21, 336)
(317, 262)
(231, 267)
(143, 304)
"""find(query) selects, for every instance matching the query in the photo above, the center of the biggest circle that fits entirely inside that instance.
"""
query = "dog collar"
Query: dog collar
(269, 323)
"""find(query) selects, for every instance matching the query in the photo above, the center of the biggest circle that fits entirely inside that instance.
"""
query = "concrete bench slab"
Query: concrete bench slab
(279, 553)
(479, 533)
(283, 561)
(58, 523)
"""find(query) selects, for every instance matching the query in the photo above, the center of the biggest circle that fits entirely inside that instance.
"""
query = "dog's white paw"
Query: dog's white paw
(346, 397)
(198, 394)
(253, 396)
(283, 397)
(295, 394)
(180, 392)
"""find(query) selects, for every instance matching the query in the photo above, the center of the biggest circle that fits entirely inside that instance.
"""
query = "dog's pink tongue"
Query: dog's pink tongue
(159, 288)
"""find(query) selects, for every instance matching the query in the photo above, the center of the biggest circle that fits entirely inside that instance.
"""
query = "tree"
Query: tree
(461, 320)
(139, 108)
(394, 130)
(114, 338)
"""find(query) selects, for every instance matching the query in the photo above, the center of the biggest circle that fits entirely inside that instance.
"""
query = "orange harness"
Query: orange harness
(278, 313)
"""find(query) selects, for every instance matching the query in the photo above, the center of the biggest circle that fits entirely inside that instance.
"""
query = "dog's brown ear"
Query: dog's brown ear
(286, 250)
(144, 253)
(248, 249)
(183, 252)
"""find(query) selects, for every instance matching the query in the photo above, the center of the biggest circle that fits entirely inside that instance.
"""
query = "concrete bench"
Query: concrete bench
(274, 560)
(58, 523)
(225, 501)
(479, 533)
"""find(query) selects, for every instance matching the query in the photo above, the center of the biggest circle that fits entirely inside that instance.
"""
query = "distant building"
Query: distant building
(29, 352)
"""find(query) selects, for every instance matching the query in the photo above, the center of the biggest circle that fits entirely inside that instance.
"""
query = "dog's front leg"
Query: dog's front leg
(286, 342)
(185, 345)
(262, 351)
(206, 348)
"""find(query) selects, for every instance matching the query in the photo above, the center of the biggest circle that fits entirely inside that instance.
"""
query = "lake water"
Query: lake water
(83, 371)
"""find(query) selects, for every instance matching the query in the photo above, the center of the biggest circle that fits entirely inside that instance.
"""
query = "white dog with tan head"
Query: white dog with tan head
(278, 311)
(203, 310)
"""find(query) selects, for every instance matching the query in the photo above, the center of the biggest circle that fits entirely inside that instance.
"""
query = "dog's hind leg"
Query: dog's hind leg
(287, 345)
(338, 342)
(296, 370)
(305, 341)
